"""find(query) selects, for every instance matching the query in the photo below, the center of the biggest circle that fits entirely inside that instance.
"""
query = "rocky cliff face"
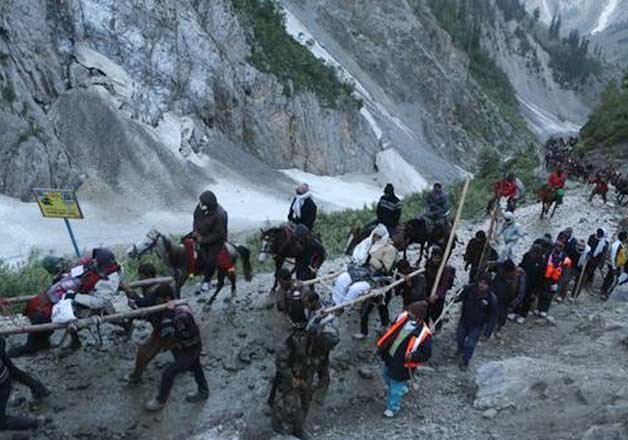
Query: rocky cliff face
(417, 82)
(148, 97)
(143, 90)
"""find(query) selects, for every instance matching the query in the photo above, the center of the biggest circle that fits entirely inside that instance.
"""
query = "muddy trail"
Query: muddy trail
(573, 386)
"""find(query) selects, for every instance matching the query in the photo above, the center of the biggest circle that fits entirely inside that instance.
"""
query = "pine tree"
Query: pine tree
(536, 14)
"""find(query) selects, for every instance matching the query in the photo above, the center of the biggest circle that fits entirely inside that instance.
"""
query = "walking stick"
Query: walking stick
(576, 294)
(452, 234)
(489, 236)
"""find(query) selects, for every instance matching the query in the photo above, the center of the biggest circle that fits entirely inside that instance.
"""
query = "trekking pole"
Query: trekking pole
(446, 310)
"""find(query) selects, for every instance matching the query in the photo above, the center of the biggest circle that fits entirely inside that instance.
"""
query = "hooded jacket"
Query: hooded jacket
(211, 225)
(389, 210)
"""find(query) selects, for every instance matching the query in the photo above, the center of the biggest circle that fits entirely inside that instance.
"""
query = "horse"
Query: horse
(416, 230)
(175, 258)
(547, 195)
(281, 243)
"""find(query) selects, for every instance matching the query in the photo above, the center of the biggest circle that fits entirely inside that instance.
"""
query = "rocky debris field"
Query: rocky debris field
(540, 380)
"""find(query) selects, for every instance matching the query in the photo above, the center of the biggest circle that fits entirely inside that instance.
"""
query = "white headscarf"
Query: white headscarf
(362, 250)
(298, 202)
(601, 244)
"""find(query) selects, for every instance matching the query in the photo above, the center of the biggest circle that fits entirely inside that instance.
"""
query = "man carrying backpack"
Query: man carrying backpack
(179, 330)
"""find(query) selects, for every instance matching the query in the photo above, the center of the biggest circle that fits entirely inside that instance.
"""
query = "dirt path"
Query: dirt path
(92, 401)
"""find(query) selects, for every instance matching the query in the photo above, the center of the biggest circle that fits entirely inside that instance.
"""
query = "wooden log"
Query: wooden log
(149, 282)
(450, 241)
(329, 276)
(373, 294)
(92, 320)
(132, 285)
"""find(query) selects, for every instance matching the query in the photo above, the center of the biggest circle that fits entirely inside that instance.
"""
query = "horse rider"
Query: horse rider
(389, 209)
(210, 233)
(511, 188)
(303, 209)
(437, 206)
(556, 181)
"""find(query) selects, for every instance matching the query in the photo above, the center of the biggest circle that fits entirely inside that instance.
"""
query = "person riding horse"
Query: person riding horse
(437, 206)
(210, 233)
(303, 209)
(511, 188)
(556, 181)
(389, 209)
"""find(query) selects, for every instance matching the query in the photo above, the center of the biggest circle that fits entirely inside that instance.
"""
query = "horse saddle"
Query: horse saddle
(195, 264)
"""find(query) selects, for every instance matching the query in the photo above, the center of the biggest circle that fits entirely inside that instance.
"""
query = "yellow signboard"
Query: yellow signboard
(58, 203)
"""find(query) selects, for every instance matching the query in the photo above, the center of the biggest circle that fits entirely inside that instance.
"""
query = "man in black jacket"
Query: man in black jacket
(210, 232)
(533, 264)
(479, 313)
(303, 209)
(403, 348)
(509, 288)
(9, 373)
(179, 331)
(599, 246)
(389, 209)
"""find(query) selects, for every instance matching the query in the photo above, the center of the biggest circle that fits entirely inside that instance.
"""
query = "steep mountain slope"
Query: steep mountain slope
(588, 16)
(115, 91)
(605, 21)
(413, 73)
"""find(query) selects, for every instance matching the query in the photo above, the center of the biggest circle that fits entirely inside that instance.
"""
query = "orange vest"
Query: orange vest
(554, 272)
(413, 343)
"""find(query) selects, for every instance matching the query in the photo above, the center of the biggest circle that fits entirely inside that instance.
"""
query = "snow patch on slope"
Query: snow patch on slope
(392, 168)
(605, 16)
(544, 123)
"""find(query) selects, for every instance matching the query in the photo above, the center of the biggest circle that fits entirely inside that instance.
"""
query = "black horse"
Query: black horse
(281, 243)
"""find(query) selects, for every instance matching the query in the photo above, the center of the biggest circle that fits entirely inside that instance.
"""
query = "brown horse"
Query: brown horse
(281, 243)
(547, 195)
(175, 257)
(416, 230)
(621, 187)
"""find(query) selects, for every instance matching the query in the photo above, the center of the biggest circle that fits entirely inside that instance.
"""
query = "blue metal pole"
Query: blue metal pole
(76, 248)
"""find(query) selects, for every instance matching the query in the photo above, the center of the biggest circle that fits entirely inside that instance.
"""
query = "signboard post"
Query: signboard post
(60, 203)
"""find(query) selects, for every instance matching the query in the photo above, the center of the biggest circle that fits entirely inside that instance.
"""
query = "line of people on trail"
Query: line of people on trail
(547, 272)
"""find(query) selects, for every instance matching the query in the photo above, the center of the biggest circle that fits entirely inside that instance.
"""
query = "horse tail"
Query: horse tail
(245, 253)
